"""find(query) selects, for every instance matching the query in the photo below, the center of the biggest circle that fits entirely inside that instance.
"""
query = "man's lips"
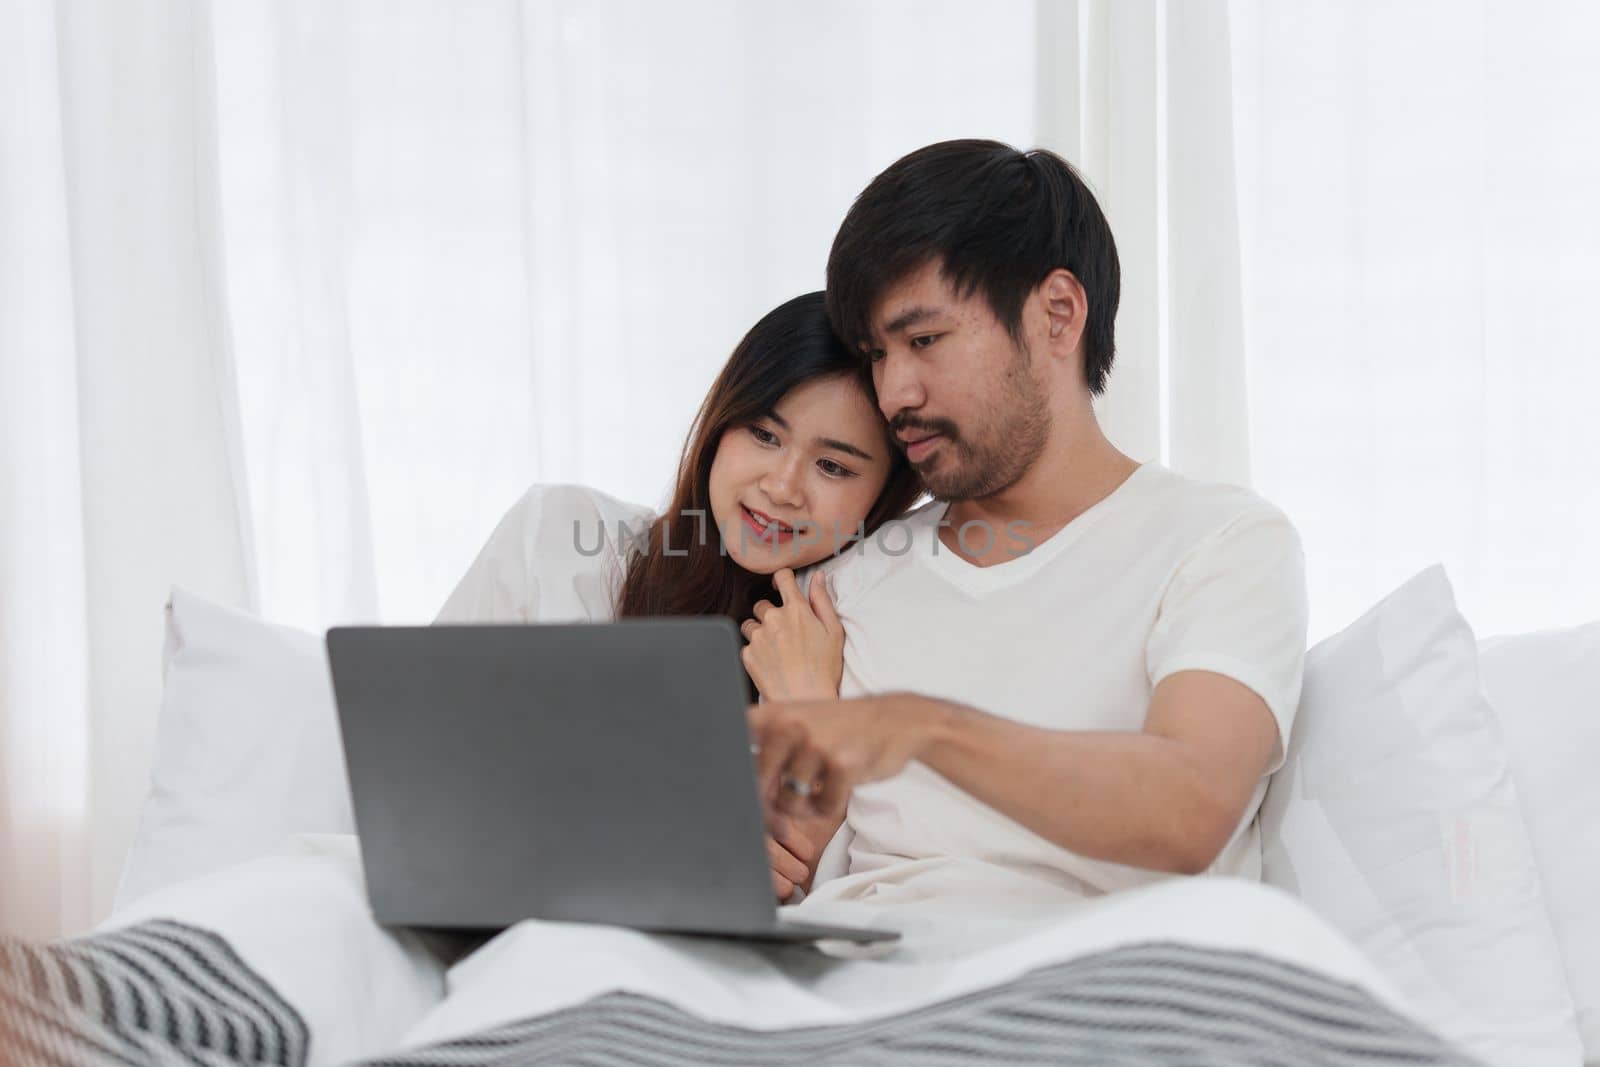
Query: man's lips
(919, 447)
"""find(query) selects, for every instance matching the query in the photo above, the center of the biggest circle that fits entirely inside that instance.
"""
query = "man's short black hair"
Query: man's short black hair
(999, 220)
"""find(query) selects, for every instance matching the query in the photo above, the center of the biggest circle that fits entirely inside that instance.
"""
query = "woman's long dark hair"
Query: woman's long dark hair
(791, 345)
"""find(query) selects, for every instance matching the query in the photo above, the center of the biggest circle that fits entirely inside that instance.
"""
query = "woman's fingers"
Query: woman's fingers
(788, 589)
(785, 863)
(794, 840)
(821, 603)
(749, 627)
(761, 609)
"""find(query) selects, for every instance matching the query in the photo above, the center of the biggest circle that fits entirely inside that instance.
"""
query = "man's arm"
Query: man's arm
(1168, 797)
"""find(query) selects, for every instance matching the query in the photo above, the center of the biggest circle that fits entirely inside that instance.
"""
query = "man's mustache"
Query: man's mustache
(906, 421)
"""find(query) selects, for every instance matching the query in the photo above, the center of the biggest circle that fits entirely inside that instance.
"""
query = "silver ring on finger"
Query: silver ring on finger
(797, 787)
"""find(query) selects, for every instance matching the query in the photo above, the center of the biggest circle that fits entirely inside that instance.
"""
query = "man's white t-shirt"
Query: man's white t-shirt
(1165, 574)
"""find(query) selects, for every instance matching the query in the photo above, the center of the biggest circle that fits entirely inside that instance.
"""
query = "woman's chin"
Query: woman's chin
(760, 559)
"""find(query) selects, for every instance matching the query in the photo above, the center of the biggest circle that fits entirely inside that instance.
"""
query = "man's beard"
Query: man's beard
(1017, 426)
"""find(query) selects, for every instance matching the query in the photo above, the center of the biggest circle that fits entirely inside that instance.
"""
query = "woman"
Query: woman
(788, 462)
(793, 461)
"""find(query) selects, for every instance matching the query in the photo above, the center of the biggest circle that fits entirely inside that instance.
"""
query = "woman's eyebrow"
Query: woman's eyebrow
(842, 446)
(825, 442)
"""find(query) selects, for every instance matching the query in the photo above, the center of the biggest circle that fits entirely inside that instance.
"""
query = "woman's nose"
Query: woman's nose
(782, 484)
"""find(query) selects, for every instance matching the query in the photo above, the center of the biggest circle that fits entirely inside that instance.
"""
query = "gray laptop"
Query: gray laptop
(585, 772)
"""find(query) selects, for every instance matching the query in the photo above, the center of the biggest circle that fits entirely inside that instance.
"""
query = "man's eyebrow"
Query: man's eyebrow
(910, 317)
(825, 442)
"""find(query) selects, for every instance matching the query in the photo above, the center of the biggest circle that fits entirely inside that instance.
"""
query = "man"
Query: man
(1095, 713)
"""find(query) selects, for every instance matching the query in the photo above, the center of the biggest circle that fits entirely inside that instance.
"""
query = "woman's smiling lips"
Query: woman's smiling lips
(766, 528)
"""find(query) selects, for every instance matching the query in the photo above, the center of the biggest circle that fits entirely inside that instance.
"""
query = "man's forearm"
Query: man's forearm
(1132, 798)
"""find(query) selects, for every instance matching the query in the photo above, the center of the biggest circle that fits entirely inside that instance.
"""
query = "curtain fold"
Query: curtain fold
(281, 103)
(115, 467)
(1137, 94)
(44, 636)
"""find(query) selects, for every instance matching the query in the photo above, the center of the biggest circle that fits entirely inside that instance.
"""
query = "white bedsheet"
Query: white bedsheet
(299, 917)
(537, 967)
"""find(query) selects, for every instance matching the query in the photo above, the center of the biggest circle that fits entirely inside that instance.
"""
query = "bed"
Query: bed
(1207, 971)
(1429, 860)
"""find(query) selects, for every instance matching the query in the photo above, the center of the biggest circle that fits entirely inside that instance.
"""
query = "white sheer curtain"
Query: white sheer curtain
(43, 627)
(314, 290)
(1137, 94)
(1418, 185)
(116, 475)
(295, 297)
(470, 247)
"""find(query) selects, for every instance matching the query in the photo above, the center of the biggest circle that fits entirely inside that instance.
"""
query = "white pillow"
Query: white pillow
(1545, 689)
(247, 748)
(1395, 817)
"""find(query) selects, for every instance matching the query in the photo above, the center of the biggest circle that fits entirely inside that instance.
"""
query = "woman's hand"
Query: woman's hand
(795, 651)
(791, 854)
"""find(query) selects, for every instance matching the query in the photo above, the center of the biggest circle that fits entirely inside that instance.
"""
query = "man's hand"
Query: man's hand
(813, 753)
(793, 857)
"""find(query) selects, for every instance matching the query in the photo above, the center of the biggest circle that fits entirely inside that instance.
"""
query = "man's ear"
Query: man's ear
(1066, 310)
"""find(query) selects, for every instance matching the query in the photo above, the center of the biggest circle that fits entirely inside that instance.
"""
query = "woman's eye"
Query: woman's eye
(765, 436)
(924, 341)
(829, 467)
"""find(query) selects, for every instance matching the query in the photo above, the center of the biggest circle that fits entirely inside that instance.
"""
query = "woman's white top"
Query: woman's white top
(556, 556)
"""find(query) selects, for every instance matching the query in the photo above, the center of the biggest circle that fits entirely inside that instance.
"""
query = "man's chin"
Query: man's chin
(952, 486)
(943, 480)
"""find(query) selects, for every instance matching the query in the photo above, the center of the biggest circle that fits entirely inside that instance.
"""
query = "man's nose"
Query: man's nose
(898, 382)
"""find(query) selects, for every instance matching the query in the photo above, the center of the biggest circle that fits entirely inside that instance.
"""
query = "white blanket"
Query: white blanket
(537, 967)
(299, 918)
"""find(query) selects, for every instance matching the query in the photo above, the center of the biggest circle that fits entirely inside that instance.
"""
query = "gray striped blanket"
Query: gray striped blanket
(166, 993)
(156, 993)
